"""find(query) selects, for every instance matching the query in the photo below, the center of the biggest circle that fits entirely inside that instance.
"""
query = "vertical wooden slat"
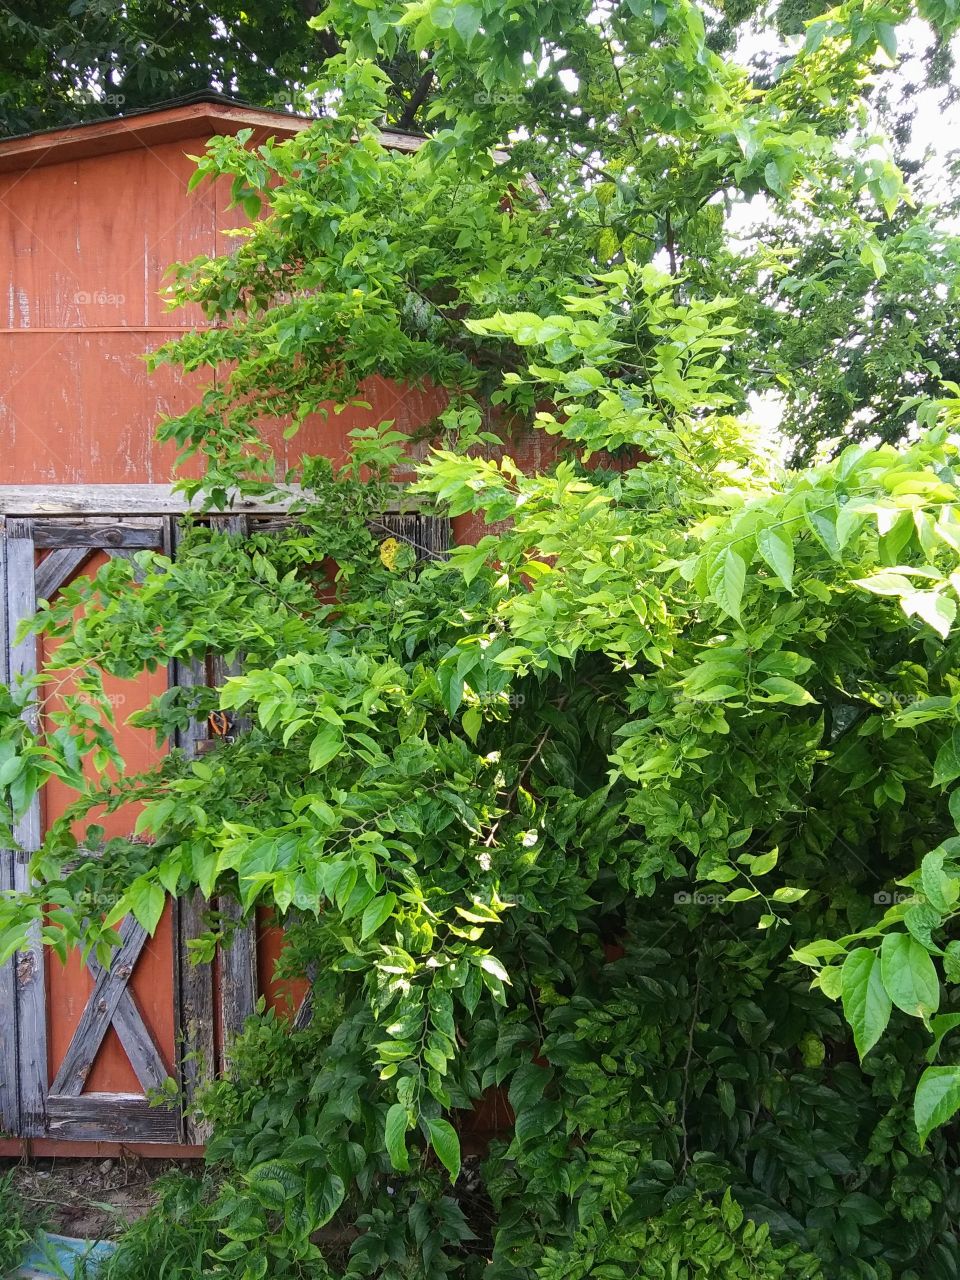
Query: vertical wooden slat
(238, 962)
(194, 982)
(167, 540)
(30, 996)
(9, 1073)
(428, 535)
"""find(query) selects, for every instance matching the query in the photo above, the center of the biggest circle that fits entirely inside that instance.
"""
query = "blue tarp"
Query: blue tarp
(64, 1258)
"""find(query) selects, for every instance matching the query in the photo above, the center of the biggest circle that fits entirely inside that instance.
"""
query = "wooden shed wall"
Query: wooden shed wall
(84, 245)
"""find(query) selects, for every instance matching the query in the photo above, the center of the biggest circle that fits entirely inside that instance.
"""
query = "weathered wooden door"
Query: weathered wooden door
(81, 1047)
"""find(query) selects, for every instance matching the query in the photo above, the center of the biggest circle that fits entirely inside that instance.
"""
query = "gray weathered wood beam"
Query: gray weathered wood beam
(96, 533)
(53, 572)
(111, 1117)
(9, 1072)
(136, 1040)
(50, 500)
(238, 961)
(194, 982)
(31, 998)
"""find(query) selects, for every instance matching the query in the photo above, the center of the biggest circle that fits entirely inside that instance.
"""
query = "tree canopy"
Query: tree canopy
(578, 813)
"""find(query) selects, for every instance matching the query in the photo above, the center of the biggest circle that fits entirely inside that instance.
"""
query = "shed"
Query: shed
(90, 219)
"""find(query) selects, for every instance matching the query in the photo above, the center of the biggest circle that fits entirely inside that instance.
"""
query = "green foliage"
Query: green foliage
(18, 1226)
(566, 820)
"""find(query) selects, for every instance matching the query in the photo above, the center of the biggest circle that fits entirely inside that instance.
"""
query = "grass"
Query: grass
(18, 1225)
(171, 1241)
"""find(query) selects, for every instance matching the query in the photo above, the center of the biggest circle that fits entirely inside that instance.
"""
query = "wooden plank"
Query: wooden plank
(195, 1013)
(238, 974)
(304, 1015)
(30, 994)
(53, 571)
(94, 532)
(238, 962)
(9, 1091)
(39, 500)
(111, 1117)
(169, 537)
(114, 500)
(195, 1016)
(98, 1014)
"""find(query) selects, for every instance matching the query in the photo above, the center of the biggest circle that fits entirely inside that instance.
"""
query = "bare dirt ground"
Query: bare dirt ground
(91, 1199)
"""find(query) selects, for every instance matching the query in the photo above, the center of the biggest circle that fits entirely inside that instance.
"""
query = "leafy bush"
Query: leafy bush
(564, 823)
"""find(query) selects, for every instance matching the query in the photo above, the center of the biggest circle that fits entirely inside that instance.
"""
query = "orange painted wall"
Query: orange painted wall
(84, 246)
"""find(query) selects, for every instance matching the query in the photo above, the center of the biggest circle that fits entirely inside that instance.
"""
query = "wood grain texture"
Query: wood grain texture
(96, 532)
(30, 995)
(238, 961)
(137, 1042)
(54, 500)
(111, 1117)
(428, 535)
(114, 500)
(54, 571)
(196, 1019)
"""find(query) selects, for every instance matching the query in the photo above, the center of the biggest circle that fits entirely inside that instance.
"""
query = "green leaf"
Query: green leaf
(11, 769)
(396, 1137)
(909, 975)
(782, 690)
(937, 611)
(946, 767)
(444, 1140)
(147, 901)
(951, 961)
(885, 583)
(376, 913)
(937, 1099)
(941, 1026)
(527, 1085)
(866, 1004)
(490, 964)
(776, 547)
(789, 893)
(472, 722)
(761, 863)
(326, 745)
(941, 889)
(727, 578)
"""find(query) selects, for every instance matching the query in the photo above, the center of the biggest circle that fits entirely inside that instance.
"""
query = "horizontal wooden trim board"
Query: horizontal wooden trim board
(110, 1117)
(129, 500)
(112, 500)
(98, 532)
